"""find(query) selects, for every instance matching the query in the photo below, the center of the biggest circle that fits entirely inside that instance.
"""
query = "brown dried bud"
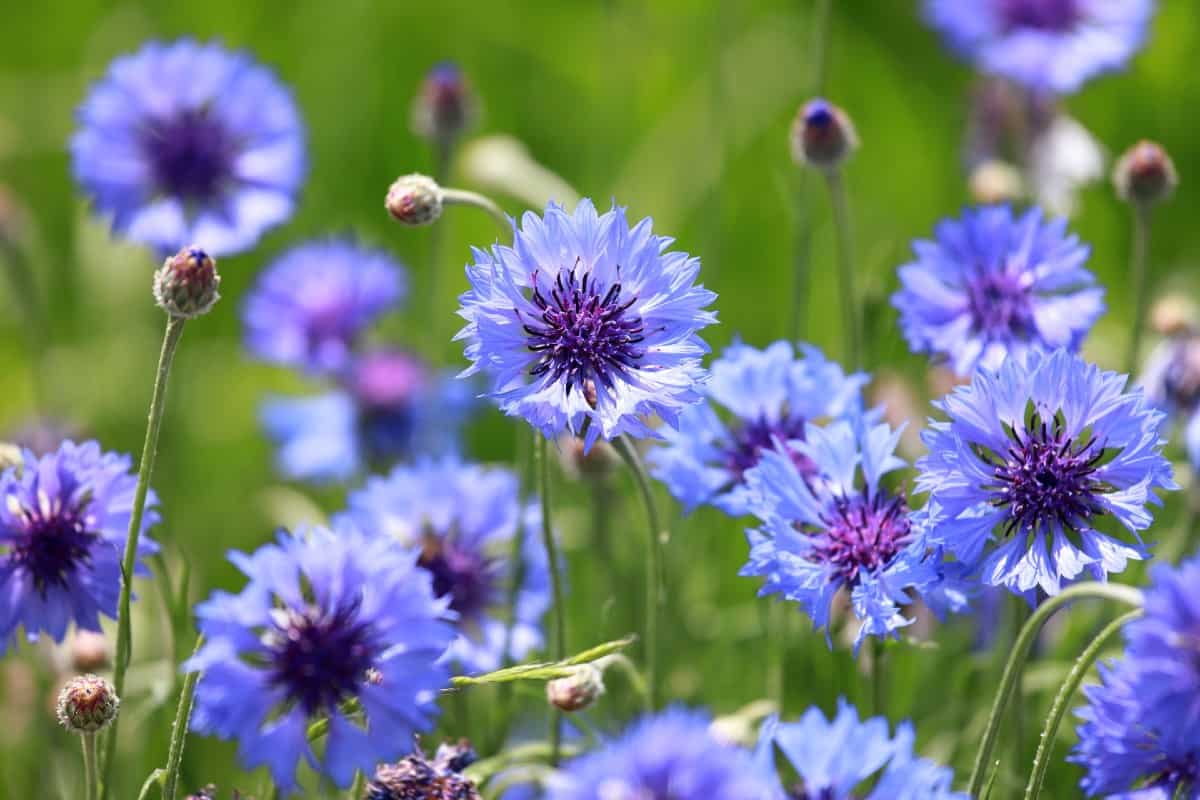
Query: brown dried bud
(87, 703)
(89, 651)
(1145, 174)
(576, 691)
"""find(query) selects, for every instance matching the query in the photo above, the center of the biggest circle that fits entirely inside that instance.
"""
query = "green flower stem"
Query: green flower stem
(443, 157)
(91, 775)
(145, 470)
(1067, 691)
(153, 779)
(1138, 266)
(776, 619)
(559, 649)
(179, 729)
(462, 197)
(1020, 652)
(878, 678)
(841, 223)
(654, 591)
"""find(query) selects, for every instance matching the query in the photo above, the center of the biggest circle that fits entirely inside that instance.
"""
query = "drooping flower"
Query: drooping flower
(1049, 46)
(836, 759)
(770, 395)
(825, 529)
(670, 755)
(585, 318)
(187, 142)
(310, 307)
(326, 617)
(991, 285)
(462, 518)
(63, 525)
(1036, 463)
(389, 407)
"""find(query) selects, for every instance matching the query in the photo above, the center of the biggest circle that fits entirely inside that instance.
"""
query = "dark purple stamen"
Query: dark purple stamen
(862, 534)
(582, 334)
(1000, 306)
(190, 153)
(752, 438)
(51, 547)
(469, 578)
(1046, 15)
(321, 658)
(1046, 478)
(828, 793)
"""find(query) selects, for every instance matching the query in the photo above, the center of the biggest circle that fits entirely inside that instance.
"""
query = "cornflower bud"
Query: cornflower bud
(995, 182)
(444, 106)
(87, 703)
(576, 691)
(186, 284)
(414, 200)
(822, 135)
(89, 651)
(1145, 174)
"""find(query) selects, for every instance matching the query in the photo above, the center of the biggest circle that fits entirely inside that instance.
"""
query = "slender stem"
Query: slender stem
(152, 780)
(443, 156)
(1138, 266)
(356, 788)
(1021, 615)
(776, 619)
(1074, 678)
(841, 223)
(559, 650)
(654, 590)
(820, 62)
(179, 729)
(91, 775)
(1020, 652)
(145, 469)
(462, 197)
(878, 678)
(1174, 547)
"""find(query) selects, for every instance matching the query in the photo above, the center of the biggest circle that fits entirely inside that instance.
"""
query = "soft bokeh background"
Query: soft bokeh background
(679, 110)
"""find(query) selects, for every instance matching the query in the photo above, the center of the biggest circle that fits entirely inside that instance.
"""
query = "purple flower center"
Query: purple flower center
(321, 658)
(862, 534)
(468, 577)
(752, 438)
(582, 334)
(51, 547)
(190, 153)
(999, 305)
(1045, 15)
(1046, 478)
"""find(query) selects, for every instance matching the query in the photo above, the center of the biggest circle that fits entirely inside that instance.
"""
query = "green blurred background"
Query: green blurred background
(679, 110)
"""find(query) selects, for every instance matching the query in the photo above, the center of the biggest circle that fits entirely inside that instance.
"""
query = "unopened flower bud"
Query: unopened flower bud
(89, 651)
(1174, 314)
(414, 200)
(822, 135)
(1145, 174)
(576, 691)
(186, 284)
(445, 106)
(995, 182)
(87, 703)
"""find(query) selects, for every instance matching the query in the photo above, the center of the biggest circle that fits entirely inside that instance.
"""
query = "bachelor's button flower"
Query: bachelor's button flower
(836, 758)
(1035, 459)
(390, 407)
(769, 395)
(63, 523)
(672, 754)
(585, 318)
(417, 777)
(462, 519)
(326, 618)
(991, 284)
(1048, 46)
(825, 529)
(187, 142)
(308, 308)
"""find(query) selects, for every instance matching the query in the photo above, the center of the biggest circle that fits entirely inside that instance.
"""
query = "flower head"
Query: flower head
(1172, 374)
(187, 142)
(462, 519)
(445, 106)
(822, 135)
(825, 529)
(769, 395)
(1038, 467)
(185, 286)
(389, 407)
(585, 318)
(672, 754)
(835, 757)
(326, 617)
(63, 524)
(414, 200)
(308, 309)
(417, 777)
(87, 703)
(991, 285)
(1145, 174)
(1049, 46)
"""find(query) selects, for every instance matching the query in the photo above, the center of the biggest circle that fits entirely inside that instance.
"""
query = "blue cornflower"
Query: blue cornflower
(672, 754)
(769, 394)
(1033, 459)
(824, 530)
(835, 757)
(585, 318)
(187, 142)
(991, 285)
(389, 407)
(309, 308)
(327, 618)
(1050, 46)
(63, 524)
(462, 518)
